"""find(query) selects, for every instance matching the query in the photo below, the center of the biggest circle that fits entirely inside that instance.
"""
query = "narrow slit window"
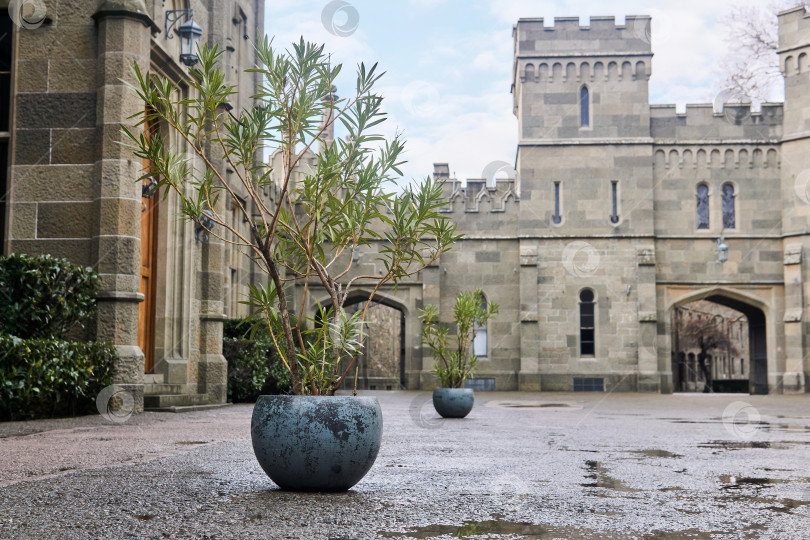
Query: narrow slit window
(703, 206)
(584, 107)
(614, 197)
(728, 207)
(480, 339)
(587, 320)
(557, 219)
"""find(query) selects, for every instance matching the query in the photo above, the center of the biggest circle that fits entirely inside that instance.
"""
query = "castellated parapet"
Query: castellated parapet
(602, 36)
(701, 123)
(477, 203)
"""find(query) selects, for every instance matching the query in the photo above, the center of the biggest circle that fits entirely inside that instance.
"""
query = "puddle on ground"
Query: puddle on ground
(145, 517)
(499, 526)
(787, 505)
(655, 453)
(530, 405)
(787, 428)
(601, 478)
(742, 445)
(738, 482)
(191, 442)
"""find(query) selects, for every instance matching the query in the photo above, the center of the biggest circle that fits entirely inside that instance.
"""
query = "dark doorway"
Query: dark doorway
(719, 345)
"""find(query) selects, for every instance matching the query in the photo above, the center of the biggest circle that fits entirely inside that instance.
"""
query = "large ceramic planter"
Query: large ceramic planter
(316, 443)
(453, 402)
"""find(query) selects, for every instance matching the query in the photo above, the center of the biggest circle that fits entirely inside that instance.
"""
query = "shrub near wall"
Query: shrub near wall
(44, 300)
(45, 377)
(45, 297)
(254, 368)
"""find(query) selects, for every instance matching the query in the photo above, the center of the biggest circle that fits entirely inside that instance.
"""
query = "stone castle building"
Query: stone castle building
(70, 189)
(620, 214)
(617, 211)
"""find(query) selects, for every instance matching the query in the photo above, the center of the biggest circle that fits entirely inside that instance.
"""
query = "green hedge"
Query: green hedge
(254, 368)
(41, 296)
(43, 378)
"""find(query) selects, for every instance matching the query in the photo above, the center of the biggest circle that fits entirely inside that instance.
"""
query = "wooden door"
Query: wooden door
(146, 309)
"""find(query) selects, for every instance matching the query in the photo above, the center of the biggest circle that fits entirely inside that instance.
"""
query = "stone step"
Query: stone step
(154, 378)
(162, 401)
(157, 389)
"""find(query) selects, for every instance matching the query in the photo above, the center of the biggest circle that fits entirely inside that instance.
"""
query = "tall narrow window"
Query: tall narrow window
(556, 218)
(586, 323)
(480, 340)
(584, 107)
(703, 206)
(728, 206)
(614, 194)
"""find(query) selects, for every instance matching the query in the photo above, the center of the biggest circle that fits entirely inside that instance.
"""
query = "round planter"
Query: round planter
(453, 402)
(316, 443)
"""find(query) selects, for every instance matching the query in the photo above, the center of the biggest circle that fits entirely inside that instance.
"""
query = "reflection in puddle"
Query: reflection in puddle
(601, 478)
(497, 526)
(737, 482)
(530, 405)
(741, 445)
(655, 453)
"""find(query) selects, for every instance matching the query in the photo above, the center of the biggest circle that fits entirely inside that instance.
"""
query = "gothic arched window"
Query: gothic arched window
(587, 323)
(728, 206)
(703, 206)
(584, 107)
(480, 340)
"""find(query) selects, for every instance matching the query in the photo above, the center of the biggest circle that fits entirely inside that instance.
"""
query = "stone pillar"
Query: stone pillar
(529, 376)
(422, 376)
(212, 370)
(652, 377)
(793, 377)
(123, 38)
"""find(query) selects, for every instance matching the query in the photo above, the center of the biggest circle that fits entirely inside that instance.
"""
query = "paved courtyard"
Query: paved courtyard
(520, 466)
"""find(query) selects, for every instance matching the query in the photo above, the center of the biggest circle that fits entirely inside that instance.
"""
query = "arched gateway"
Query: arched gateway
(755, 367)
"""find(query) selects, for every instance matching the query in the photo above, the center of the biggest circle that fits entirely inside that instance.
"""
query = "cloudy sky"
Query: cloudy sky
(448, 63)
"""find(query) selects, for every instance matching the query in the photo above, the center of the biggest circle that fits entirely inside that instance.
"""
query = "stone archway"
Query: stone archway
(757, 343)
(382, 366)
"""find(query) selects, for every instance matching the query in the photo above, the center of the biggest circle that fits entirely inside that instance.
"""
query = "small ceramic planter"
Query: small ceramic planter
(316, 443)
(453, 402)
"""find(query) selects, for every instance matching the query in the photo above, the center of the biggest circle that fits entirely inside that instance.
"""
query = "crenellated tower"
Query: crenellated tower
(581, 96)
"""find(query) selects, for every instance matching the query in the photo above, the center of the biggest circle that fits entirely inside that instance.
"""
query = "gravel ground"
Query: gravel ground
(520, 466)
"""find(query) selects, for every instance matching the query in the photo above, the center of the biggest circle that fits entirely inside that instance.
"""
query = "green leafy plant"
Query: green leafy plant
(310, 230)
(46, 377)
(41, 296)
(456, 362)
(254, 367)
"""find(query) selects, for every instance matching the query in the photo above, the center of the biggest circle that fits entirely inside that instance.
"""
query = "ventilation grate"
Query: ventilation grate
(589, 384)
(484, 384)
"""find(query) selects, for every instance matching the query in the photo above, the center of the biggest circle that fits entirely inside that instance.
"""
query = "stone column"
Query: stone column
(652, 377)
(212, 370)
(123, 38)
(422, 376)
(529, 376)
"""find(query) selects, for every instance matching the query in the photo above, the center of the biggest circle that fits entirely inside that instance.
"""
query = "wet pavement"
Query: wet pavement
(521, 465)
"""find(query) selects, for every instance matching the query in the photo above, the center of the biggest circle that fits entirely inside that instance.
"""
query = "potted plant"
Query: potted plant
(303, 236)
(454, 364)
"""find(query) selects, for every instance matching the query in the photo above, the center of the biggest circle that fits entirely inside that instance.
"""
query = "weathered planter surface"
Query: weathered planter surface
(316, 443)
(453, 402)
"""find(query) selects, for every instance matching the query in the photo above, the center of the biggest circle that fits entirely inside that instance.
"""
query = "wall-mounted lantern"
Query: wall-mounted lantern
(722, 250)
(189, 33)
(148, 189)
(204, 225)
